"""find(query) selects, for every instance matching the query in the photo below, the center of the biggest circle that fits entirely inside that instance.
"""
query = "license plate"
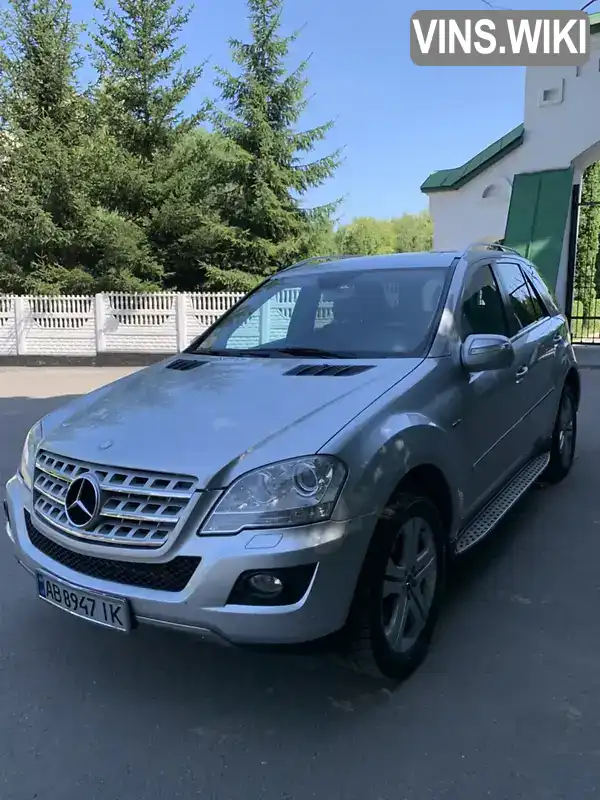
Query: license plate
(93, 606)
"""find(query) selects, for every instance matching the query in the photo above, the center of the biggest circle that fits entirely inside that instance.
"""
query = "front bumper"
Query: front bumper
(202, 607)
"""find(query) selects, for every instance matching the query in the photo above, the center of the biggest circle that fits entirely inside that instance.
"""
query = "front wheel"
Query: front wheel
(564, 438)
(398, 596)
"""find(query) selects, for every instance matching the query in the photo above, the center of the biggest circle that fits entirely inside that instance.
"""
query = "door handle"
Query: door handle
(521, 372)
(557, 338)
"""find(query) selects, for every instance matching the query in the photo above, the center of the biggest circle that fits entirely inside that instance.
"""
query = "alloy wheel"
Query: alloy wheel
(409, 585)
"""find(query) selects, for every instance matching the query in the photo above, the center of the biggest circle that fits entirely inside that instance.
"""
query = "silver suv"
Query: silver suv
(313, 462)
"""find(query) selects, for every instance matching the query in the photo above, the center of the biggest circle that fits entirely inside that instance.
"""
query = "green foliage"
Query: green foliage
(413, 233)
(186, 226)
(53, 236)
(267, 225)
(38, 61)
(369, 236)
(55, 233)
(365, 236)
(588, 242)
(140, 88)
(112, 186)
(230, 280)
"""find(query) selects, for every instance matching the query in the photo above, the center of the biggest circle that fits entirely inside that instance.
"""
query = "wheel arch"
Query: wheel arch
(407, 446)
(429, 480)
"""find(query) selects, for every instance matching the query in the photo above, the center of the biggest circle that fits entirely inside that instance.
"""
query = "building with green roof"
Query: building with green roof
(519, 187)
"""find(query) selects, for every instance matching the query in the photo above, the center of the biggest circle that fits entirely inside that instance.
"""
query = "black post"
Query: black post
(572, 252)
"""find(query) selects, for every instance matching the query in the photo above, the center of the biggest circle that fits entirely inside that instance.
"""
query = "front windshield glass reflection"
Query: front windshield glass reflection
(344, 314)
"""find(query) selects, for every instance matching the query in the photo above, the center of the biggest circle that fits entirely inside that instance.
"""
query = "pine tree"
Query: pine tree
(267, 225)
(141, 87)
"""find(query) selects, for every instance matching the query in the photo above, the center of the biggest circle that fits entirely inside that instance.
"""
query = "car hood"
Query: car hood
(218, 420)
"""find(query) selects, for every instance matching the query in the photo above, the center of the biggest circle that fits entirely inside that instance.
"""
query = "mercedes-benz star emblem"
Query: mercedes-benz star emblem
(82, 501)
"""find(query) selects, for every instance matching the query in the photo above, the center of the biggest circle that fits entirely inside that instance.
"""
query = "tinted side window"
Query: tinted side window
(482, 309)
(524, 303)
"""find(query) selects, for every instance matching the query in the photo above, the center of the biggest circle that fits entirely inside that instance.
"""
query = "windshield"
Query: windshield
(349, 314)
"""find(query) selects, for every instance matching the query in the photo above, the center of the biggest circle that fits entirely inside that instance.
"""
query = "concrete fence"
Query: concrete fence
(105, 328)
(89, 326)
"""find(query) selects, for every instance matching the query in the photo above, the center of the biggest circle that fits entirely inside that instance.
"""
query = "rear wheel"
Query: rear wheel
(564, 438)
(398, 596)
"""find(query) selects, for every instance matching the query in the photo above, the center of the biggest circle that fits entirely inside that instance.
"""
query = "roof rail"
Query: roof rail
(491, 246)
(315, 260)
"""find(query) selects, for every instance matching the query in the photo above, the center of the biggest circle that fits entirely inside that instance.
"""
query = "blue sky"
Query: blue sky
(397, 122)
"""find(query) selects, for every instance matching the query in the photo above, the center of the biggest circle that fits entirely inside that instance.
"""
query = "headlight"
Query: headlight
(28, 456)
(281, 495)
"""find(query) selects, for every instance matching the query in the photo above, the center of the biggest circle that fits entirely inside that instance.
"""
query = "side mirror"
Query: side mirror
(483, 352)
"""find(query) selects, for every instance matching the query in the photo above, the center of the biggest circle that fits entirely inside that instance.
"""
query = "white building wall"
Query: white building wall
(562, 112)
(464, 216)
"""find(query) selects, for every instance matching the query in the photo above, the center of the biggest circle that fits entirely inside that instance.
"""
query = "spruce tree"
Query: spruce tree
(141, 87)
(267, 225)
(161, 176)
(39, 58)
(55, 234)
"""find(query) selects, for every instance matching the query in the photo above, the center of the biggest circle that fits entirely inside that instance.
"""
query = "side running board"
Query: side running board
(490, 516)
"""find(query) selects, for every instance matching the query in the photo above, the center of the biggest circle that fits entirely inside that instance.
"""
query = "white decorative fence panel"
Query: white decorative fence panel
(139, 323)
(202, 309)
(112, 323)
(58, 326)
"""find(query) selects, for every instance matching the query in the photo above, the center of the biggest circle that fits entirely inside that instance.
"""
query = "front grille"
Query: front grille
(141, 509)
(173, 576)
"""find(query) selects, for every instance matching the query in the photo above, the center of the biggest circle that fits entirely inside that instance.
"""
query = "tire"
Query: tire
(388, 593)
(564, 439)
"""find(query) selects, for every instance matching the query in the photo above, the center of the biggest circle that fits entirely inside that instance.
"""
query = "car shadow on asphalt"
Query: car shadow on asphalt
(169, 669)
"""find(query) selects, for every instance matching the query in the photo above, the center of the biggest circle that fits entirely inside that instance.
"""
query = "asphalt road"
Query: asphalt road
(507, 705)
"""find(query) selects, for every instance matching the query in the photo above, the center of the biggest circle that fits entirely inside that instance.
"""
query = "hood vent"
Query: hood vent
(185, 364)
(332, 370)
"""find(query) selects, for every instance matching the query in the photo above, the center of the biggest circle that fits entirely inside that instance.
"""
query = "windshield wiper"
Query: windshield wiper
(309, 351)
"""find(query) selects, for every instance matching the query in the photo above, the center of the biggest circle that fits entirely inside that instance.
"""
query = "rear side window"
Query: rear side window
(524, 303)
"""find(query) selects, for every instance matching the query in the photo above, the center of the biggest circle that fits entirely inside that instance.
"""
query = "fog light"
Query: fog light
(280, 586)
(266, 584)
